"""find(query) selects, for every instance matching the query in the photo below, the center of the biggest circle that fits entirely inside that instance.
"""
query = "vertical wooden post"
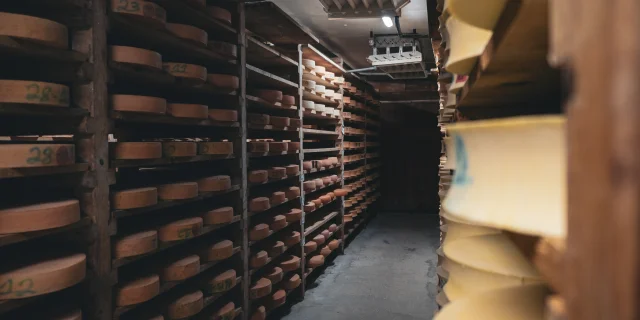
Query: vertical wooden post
(93, 147)
(603, 253)
(301, 158)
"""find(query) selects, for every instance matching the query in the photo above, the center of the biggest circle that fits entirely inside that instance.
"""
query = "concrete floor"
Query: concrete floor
(387, 272)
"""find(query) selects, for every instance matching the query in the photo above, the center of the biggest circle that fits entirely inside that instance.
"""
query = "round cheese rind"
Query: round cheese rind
(137, 56)
(258, 146)
(180, 230)
(259, 259)
(259, 314)
(309, 186)
(214, 184)
(316, 261)
(259, 232)
(292, 239)
(333, 228)
(43, 31)
(326, 234)
(34, 92)
(319, 239)
(223, 115)
(258, 118)
(218, 216)
(218, 251)
(135, 244)
(310, 246)
(292, 193)
(278, 146)
(275, 275)
(308, 63)
(186, 306)
(278, 298)
(325, 199)
(334, 244)
(259, 204)
(133, 198)
(175, 149)
(309, 207)
(288, 100)
(307, 165)
(278, 222)
(192, 73)
(134, 103)
(292, 170)
(44, 276)
(277, 249)
(215, 148)
(224, 48)
(309, 84)
(178, 191)
(280, 122)
(292, 282)
(326, 251)
(341, 192)
(290, 263)
(225, 82)
(188, 110)
(278, 173)
(293, 146)
(295, 123)
(219, 13)
(272, 96)
(181, 269)
(309, 105)
(137, 150)
(222, 282)
(258, 176)
(41, 216)
(228, 311)
(260, 288)
(188, 32)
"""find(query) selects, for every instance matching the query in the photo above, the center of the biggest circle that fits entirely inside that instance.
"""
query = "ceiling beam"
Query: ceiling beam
(352, 4)
(380, 3)
(326, 4)
(366, 3)
(338, 4)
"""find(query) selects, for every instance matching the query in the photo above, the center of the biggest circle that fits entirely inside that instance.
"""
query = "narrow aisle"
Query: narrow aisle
(388, 272)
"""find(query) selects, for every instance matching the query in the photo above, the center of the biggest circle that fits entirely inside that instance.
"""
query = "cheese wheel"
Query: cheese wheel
(278, 298)
(260, 288)
(319, 239)
(325, 199)
(278, 222)
(36, 155)
(259, 314)
(295, 123)
(187, 110)
(309, 186)
(292, 239)
(290, 263)
(190, 73)
(331, 195)
(222, 282)
(44, 276)
(258, 176)
(258, 119)
(259, 259)
(326, 181)
(259, 204)
(329, 75)
(146, 12)
(259, 232)
(129, 199)
(218, 216)
(326, 234)
(218, 148)
(292, 193)
(278, 146)
(334, 244)
(277, 198)
(180, 230)
(137, 56)
(136, 150)
(175, 149)
(288, 100)
(218, 251)
(42, 31)
(307, 165)
(224, 48)
(214, 184)
(320, 89)
(346, 100)
(292, 170)
(178, 191)
(308, 63)
(279, 122)
(186, 306)
(143, 104)
(272, 96)
(223, 115)
(309, 207)
(341, 192)
(39, 216)
(348, 219)
(188, 32)
(309, 84)
(316, 261)
(309, 105)
(228, 311)
(219, 13)
(277, 173)
(325, 251)
(274, 275)
(225, 82)
(333, 228)
(292, 282)
(319, 183)
(320, 70)
(181, 269)
(293, 146)
(258, 146)
(310, 246)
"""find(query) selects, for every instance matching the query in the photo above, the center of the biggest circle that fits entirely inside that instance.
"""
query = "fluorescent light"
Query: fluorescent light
(387, 21)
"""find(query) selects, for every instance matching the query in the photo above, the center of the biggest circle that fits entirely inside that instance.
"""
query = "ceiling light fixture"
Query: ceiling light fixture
(387, 21)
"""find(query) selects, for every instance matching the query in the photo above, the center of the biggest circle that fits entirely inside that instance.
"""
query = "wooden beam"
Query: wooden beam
(380, 3)
(352, 4)
(366, 3)
(338, 4)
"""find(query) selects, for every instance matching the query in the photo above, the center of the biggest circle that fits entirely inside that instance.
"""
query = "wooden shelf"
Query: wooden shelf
(168, 119)
(320, 81)
(311, 229)
(321, 150)
(327, 240)
(8, 173)
(308, 95)
(7, 239)
(325, 133)
(311, 114)
(262, 55)
(271, 154)
(167, 161)
(261, 104)
(264, 80)
(273, 207)
(182, 12)
(310, 52)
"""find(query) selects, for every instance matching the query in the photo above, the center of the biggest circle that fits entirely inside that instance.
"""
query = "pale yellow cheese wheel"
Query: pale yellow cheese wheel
(189, 72)
(180, 230)
(143, 11)
(137, 150)
(137, 291)
(39, 216)
(218, 251)
(186, 306)
(218, 216)
(217, 148)
(188, 32)
(222, 282)
(188, 110)
(134, 198)
(36, 29)
(181, 269)
(34, 92)
(135, 244)
(143, 104)
(223, 115)
(137, 56)
(44, 276)
(174, 149)
(178, 191)
(214, 184)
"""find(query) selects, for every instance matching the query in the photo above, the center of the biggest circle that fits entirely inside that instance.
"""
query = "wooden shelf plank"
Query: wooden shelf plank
(310, 52)
(7, 173)
(168, 119)
(182, 12)
(13, 238)
(167, 161)
(261, 104)
(320, 81)
(308, 95)
(262, 55)
(264, 80)
(321, 150)
(311, 229)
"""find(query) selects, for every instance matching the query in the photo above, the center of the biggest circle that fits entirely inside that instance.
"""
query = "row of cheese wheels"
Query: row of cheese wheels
(265, 119)
(21, 155)
(168, 149)
(323, 200)
(191, 304)
(353, 157)
(275, 97)
(146, 241)
(156, 105)
(255, 146)
(260, 258)
(149, 196)
(352, 130)
(353, 145)
(310, 66)
(278, 298)
(354, 172)
(276, 223)
(320, 163)
(318, 183)
(353, 116)
(320, 108)
(264, 286)
(321, 90)
(321, 239)
(260, 204)
(274, 173)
